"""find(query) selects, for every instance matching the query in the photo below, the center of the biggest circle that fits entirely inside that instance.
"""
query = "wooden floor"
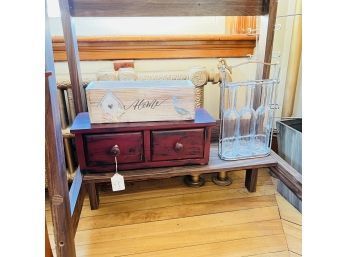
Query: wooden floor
(165, 218)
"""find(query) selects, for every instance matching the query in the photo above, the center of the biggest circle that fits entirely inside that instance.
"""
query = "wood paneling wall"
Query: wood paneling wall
(235, 43)
(240, 24)
(157, 47)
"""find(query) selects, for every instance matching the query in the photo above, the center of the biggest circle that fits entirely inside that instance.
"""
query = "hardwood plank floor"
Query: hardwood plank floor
(274, 254)
(292, 254)
(292, 224)
(165, 218)
(177, 225)
(231, 248)
(293, 233)
(287, 211)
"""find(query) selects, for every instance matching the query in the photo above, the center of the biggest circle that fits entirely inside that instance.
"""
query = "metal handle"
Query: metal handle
(115, 150)
(178, 147)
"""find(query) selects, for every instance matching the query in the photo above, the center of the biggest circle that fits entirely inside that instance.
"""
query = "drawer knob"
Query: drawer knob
(115, 150)
(178, 147)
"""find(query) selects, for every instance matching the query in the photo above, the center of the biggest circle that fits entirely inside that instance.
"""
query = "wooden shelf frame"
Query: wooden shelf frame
(66, 206)
(148, 8)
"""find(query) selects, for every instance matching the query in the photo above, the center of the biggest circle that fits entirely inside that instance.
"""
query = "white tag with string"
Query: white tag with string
(117, 180)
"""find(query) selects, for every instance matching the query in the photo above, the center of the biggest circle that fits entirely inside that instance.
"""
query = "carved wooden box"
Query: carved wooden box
(135, 101)
(142, 144)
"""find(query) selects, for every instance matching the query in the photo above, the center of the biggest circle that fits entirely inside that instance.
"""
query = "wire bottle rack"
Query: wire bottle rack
(246, 125)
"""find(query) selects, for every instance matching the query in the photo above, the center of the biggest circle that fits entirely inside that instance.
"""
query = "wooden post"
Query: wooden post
(251, 179)
(93, 194)
(294, 64)
(56, 175)
(73, 57)
(48, 249)
(265, 43)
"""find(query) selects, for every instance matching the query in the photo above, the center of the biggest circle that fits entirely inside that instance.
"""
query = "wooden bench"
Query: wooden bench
(215, 165)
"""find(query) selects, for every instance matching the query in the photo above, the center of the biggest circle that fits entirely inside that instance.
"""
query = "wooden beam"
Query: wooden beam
(75, 190)
(56, 175)
(282, 164)
(215, 165)
(293, 64)
(75, 218)
(157, 47)
(48, 249)
(269, 34)
(265, 46)
(77, 195)
(139, 8)
(73, 57)
(288, 175)
(93, 194)
(251, 179)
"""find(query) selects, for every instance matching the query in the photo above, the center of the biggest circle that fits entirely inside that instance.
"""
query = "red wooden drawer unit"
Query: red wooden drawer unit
(142, 144)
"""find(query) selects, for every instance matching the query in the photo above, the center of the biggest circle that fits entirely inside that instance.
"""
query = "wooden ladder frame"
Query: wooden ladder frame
(66, 206)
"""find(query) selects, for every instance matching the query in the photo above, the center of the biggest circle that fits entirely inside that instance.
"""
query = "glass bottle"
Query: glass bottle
(231, 115)
(247, 123)
(262, 112)
(263, 119)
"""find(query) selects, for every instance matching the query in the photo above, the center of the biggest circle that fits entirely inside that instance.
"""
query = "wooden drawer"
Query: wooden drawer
(98, 148)
(177, 144)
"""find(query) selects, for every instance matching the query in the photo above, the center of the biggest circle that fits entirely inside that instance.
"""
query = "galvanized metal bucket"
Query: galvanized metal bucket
(290, 149)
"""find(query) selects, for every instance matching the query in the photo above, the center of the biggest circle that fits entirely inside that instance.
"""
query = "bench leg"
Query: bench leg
(222, 179)
(251, 179)
(93, 195)
(194, 181)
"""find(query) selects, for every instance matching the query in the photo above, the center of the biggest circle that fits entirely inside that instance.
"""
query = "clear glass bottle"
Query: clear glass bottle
(231, 115)
(263, 122)
(247, 123)
(263, 111)
(231, 119)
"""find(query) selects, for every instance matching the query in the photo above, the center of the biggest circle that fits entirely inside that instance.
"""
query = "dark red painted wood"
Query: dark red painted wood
(98, 148)
(82, 124)
(142, 144)
(177, 144)
(207, 138)
(147, 145)
(80, 151)
(145, 165)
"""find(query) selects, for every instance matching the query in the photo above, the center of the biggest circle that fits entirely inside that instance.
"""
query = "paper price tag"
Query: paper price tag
(117, 182)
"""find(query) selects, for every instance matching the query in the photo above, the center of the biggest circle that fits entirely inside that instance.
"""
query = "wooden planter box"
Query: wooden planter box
(135, 101)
